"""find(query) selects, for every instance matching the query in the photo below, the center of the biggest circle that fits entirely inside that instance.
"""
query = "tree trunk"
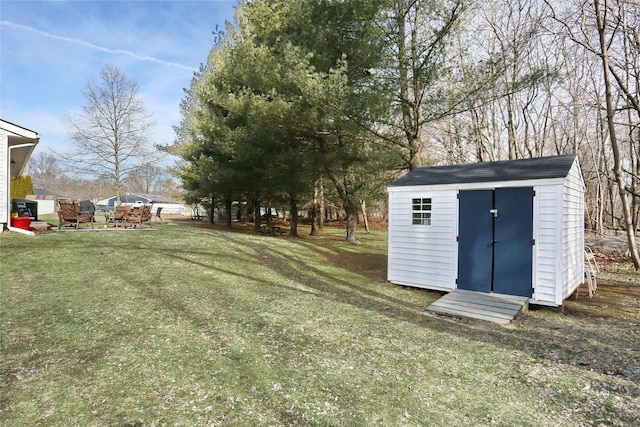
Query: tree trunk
(511, 129)
(630, 71)
(257, 219)
(407, 96)
(240, 212)
(293, 225)
(599, 200)
(345, 193)
(321, 206)
(635, 176)
(617, 168)
(351, 211)
(228, 203)
(481, 149)
(210, 215)
(363, 206)
(315, 205)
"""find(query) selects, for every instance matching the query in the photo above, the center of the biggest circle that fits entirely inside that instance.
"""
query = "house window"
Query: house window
(421, 211)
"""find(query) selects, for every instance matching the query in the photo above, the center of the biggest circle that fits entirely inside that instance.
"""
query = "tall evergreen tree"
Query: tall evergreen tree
(282, 101)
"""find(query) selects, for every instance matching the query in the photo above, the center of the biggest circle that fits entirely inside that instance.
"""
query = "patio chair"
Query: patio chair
(119, 215)
(69, 214)
(157, 214)
(143, 215)
(591, 270)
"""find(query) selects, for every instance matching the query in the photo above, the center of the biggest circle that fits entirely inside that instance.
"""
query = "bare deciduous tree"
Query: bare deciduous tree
(44, 169)
(418, 34)
(111, 134)
(603, 30)
(150, 179)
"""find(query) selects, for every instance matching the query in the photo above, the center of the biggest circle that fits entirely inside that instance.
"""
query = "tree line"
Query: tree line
(298, 100)
(51, 172)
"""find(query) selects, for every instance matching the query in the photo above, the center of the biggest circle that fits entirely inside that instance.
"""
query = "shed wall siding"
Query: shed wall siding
(572, 232)
(423, 256)
(547, 250)
(427, 256)
(46, 207)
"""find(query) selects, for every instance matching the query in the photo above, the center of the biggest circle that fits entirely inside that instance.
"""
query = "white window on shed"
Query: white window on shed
(421, 211)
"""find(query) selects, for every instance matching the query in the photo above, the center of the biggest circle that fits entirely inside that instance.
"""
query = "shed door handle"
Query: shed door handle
(494, 212)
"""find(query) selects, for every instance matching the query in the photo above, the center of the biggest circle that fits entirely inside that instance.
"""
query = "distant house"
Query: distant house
(16, 145)
(169, 206)
(110, 203)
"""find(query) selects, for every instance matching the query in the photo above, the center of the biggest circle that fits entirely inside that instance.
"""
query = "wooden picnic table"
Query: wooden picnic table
(272, 230)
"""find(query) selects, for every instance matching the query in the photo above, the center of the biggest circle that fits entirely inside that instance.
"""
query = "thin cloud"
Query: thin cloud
(95, 47)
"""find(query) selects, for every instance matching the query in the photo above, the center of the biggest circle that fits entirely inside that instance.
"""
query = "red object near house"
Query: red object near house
(21, 222)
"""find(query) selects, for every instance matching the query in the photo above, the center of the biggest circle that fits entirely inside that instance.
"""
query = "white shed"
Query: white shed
(47, 201)
(512, 227)
(16, 145)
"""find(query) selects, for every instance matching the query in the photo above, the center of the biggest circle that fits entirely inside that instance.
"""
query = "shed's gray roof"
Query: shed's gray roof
(506, 170)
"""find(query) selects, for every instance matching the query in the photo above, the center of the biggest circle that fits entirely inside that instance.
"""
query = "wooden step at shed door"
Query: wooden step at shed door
(497, 308)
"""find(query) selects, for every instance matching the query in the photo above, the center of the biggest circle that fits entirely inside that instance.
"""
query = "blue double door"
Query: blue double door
(495, 240)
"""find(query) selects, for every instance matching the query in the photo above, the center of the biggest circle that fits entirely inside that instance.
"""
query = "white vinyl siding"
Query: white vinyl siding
(548, 247)
(427, 257)
(558, 267)
(572, 231)
(18, 138)
(4, 180)
(419, 255)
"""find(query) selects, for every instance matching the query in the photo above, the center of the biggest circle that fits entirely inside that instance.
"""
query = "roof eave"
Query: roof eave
(476, 185)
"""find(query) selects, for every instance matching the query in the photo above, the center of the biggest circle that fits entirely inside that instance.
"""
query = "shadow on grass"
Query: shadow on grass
(597, 341)
(572, 338)
(584, 337)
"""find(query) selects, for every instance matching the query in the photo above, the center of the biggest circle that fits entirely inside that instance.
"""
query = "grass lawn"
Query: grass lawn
(200, 326)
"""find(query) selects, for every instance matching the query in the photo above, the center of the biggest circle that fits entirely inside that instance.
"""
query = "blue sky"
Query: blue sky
(50, 49)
